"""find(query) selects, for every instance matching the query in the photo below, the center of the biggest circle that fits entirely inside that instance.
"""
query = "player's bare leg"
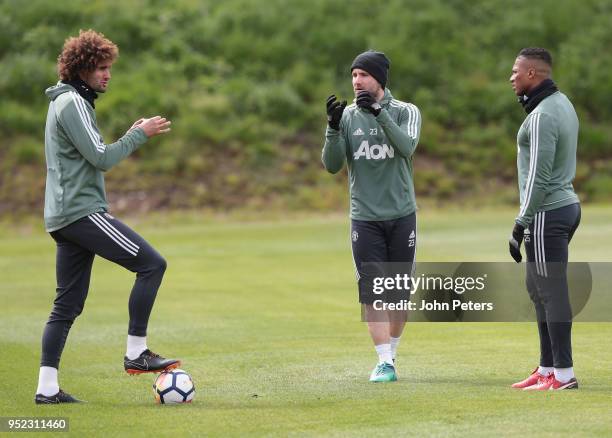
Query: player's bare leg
(379, 326)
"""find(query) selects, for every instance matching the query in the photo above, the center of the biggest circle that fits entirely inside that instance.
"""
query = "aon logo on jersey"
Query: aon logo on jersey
(374, 152)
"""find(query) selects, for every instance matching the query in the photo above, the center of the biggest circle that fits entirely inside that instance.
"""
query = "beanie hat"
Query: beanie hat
(375, 63)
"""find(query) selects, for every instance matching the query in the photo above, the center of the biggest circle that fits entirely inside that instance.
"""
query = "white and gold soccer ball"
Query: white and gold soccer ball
(174, 386)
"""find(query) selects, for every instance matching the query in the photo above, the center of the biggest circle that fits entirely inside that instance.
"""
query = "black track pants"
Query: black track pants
(546, 244)
(77, 244)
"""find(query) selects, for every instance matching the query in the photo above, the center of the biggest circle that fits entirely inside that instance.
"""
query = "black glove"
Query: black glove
(366, 101)
(515, 242)
(334, 112)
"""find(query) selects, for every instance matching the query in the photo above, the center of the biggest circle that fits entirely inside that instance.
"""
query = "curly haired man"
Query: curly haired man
(76, 211)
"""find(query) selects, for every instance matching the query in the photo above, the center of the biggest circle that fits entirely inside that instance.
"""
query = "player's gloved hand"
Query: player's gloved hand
(366, 101)
(334, 111)
(515, 242)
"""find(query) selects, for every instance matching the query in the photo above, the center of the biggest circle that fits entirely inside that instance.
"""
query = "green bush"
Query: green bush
(244, 82)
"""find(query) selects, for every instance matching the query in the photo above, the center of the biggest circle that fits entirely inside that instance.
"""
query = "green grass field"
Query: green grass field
(264, 315)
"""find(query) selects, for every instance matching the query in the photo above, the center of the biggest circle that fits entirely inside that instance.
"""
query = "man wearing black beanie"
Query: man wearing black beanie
(375, 63)
(377, 136)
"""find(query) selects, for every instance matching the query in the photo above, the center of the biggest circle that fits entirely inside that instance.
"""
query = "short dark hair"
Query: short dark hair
(536, 53)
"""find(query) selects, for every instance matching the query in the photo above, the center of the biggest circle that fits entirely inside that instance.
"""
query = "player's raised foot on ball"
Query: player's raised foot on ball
(383, 372)
(149, 362)
(60, 397)
(532, 380)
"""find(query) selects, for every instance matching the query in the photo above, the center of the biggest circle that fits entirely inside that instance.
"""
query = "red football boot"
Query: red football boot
(544, 384)
(558, 386)
(534, 379)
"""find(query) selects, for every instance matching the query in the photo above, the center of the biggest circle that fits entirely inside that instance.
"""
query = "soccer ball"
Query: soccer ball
(174, 386)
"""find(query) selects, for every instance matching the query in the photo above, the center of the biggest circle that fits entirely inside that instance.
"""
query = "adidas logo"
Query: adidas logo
(358, 131)
(412, 235)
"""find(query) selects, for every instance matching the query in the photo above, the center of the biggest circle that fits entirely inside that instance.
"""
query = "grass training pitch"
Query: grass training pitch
(265, 318)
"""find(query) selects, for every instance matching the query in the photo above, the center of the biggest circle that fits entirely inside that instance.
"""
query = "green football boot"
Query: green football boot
(383, 372)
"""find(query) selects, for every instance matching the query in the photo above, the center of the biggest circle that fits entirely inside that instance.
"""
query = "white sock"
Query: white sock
(564, 375)
(384, 353)
(47, 381)
(135, 346)
(545, 371)
(394, 343)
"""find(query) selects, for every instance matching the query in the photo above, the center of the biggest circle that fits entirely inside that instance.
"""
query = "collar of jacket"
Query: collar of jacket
(84, 90)
(531, 100)
(388, 97)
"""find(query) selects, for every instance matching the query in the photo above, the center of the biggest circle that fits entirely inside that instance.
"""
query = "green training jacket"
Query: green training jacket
(378, 151)
(546, 161)
(77, 157)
